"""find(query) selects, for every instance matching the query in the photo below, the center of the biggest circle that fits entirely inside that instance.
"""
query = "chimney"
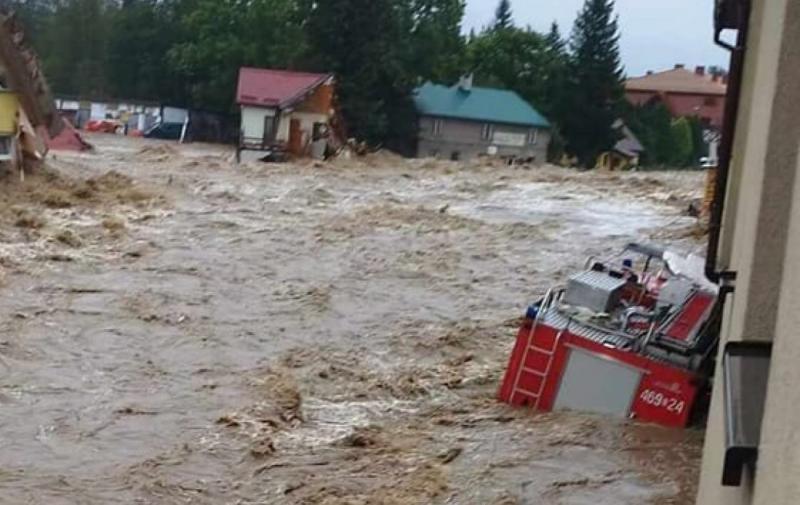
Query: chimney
(649, 72)
(714, 77)
(678, 66)
(465, 83)
(700, 70)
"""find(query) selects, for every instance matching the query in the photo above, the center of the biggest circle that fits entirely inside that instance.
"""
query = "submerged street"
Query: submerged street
(177, 328)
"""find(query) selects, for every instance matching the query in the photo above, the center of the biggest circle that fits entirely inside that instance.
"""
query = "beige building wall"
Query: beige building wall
(466, 139)
(761, 242)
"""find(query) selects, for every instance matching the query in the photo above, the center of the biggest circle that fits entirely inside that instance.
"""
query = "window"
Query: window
(487, 132)
(437, 127)
(710, 101)
(533, 137)
(269, 129)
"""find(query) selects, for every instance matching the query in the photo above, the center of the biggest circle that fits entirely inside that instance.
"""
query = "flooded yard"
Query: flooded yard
(180, 329)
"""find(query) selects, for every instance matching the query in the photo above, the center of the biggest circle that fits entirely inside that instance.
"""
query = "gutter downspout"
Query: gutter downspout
(725, 278)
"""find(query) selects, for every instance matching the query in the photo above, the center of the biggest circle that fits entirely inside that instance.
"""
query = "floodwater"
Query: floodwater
(187, 330)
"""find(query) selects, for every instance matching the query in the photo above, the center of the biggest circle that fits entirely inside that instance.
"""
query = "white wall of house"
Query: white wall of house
(68, 104)
(98, 111)
(253, 120)
(252, 126)
(283, 128)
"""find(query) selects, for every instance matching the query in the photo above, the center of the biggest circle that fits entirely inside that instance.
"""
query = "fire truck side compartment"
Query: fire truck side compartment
(594, 383)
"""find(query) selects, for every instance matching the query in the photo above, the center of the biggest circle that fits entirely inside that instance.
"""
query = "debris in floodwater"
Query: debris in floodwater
(361, 437)
(132, 411)
(114, 224)
(27, 219)
(450, 455)
(69, 237)
(56, 198)
(291, 488)
(263, 448)
(228, 421)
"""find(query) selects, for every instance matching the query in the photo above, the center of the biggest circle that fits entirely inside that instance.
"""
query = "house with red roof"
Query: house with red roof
(685, 93)
(282, 111)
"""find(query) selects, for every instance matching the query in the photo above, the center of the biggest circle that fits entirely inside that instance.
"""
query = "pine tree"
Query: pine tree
(555, 42)
(595, 82)
(502, 16)
(554, 75)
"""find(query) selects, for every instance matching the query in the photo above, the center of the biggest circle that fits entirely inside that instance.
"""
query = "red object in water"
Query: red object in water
(665, 394)
(604, 344)
(102, 126)
(68, 140)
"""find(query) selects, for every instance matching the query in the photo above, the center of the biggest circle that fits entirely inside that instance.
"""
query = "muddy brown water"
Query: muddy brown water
(310, 335)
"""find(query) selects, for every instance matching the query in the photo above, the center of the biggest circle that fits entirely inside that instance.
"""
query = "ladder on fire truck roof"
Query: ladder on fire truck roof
(549, 355)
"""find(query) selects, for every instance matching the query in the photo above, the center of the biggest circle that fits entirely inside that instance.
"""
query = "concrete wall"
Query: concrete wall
(761, 242)
(465, 138)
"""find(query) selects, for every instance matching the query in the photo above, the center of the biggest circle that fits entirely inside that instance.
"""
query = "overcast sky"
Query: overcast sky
(656, 34)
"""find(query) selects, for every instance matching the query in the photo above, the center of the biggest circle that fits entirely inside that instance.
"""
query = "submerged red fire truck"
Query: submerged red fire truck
(633, 336)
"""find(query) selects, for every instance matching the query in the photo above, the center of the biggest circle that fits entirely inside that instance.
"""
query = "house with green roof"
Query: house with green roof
(465, 121)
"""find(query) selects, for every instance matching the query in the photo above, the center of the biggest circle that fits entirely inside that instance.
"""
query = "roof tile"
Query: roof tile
(274, 88)
(678, 80)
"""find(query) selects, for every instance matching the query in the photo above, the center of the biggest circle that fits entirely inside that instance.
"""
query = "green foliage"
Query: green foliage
(524, 61)
(188, 52)
(503, 17)
(652, 124)
(699, 147)
(682, 142)
(75, 60)
(595, 82)
(363, 43)
(223, 36)
(667, 142)
(512, 58)
(438, 48)
(143, 31)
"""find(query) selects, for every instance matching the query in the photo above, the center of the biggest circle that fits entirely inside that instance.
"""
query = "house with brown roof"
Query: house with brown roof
(685, 93)
(282, 112)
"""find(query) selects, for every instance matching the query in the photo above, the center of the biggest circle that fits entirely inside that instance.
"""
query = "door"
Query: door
(596, 383)
(269, 130)
(295, 138)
